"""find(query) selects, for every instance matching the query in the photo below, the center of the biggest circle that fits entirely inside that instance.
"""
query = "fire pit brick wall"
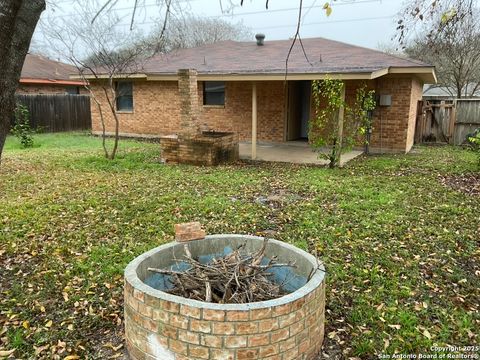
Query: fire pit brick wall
(201, 150)
(293, 330)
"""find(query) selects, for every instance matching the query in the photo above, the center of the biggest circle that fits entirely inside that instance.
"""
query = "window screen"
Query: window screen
(124, 96)
(213, 93)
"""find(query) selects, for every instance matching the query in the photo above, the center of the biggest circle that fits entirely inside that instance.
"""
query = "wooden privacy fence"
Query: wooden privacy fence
(467, 119)
(447, 121)
(57, 112)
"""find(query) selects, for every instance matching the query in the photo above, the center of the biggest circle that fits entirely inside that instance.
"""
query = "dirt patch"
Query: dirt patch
(278, 198)
(468, 183)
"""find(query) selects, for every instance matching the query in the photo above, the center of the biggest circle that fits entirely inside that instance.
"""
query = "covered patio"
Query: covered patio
(297, 152)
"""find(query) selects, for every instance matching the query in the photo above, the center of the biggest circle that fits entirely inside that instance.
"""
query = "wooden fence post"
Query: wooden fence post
(451, 125)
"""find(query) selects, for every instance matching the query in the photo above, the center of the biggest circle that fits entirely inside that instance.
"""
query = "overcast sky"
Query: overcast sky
(361, 22)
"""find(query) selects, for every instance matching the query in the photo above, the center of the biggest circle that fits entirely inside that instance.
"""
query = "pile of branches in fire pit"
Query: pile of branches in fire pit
(236, 278)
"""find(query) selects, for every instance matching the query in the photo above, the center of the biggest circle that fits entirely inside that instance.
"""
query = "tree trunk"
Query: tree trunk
(111, 105)
(18, 19)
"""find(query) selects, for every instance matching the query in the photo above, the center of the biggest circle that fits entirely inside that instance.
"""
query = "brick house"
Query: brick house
(241, 86)
(41, 75)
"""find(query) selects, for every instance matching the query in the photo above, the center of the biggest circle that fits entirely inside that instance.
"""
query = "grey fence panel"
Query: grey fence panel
(467, 119)
(468, 111)
(462, 131)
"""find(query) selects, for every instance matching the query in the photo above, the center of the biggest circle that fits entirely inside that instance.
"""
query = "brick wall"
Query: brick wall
(157, 111)
(351, 88)
(200, 150)
(294, 330)
(236, 115)
(394, 126)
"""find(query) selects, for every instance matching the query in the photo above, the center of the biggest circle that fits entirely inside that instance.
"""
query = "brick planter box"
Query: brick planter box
(162, 326)
(208, 148)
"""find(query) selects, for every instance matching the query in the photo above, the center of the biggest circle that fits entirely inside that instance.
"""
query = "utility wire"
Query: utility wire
(313, 6)
(281, 26)
(328, 22)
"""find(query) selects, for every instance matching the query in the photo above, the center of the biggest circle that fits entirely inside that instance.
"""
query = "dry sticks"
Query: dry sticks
(236, 278)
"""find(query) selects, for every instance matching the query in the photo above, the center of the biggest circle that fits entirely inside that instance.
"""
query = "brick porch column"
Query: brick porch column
(189, 108)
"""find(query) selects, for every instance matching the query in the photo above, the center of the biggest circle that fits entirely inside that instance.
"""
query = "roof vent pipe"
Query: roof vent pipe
(260, 38)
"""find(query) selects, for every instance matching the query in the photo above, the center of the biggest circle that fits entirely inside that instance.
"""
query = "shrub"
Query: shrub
(21, 128)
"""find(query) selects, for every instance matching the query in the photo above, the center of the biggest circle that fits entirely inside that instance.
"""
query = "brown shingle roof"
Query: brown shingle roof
(39, 68)
(231, 57)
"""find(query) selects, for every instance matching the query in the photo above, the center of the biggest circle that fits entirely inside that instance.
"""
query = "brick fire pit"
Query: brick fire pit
(191, 145)
(208, 148)
(162, 326)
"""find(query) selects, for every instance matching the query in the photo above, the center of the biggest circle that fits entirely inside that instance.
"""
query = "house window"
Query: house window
(124, 96)
(213, 93)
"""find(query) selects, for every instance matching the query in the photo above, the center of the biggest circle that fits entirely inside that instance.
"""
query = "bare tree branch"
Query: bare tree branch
(102, 9)
(455, 52)
(295, 38)
(101, 54)
(436, 15)
(133, 14)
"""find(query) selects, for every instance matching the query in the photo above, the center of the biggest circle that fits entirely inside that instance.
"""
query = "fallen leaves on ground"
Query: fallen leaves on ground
(468, 183)
(400, 248)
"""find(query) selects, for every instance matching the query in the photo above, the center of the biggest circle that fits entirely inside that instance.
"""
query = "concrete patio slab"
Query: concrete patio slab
(296, 152)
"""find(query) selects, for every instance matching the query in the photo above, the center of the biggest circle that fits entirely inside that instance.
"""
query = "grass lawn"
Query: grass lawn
(401, 249)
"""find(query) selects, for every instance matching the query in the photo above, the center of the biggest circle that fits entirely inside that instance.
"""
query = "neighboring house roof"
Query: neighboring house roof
(38, 69)
(444, 92)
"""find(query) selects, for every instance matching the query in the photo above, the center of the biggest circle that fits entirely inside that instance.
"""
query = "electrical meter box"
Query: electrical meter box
(385, 100)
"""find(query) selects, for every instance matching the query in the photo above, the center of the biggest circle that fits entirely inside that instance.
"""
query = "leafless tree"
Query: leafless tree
(455, 52)
(391, 48)
(18, 19)
(193, 31)
(103, 55)
(188, 31)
